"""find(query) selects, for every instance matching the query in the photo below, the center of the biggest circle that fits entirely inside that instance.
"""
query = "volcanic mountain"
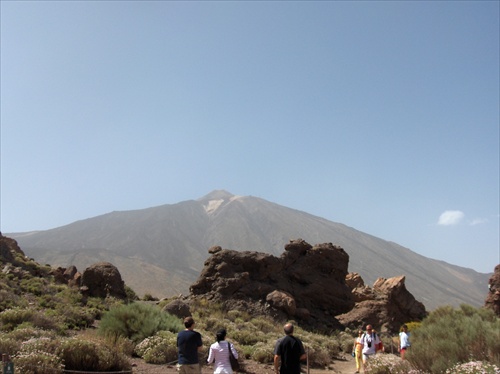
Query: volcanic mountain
(161, 250)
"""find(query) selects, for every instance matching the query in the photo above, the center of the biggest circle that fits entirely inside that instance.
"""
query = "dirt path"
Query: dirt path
(338, 367)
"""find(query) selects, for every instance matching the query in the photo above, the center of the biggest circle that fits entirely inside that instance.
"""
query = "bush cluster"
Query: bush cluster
(92, 355)
(38, 362)
(451, 336)
(158, 349)
(137, 321)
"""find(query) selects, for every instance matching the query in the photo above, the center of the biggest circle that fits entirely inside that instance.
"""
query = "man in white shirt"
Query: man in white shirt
(369, 340)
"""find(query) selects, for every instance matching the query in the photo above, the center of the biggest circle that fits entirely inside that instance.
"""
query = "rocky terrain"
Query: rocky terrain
(306, 283)
(309, 284)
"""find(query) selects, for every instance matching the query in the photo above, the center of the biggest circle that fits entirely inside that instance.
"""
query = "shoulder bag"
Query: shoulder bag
(235, 365)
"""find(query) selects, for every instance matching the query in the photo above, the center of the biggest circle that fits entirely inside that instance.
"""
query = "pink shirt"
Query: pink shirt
(219, 354)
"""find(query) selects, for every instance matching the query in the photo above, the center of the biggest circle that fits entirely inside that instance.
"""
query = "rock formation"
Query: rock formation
(101, 280)
(9, 249)
(387, 305)
(14, 260)
(493, 298)
(309, 284)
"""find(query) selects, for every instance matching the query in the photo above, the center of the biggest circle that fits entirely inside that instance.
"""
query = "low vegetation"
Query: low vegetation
(49, 328)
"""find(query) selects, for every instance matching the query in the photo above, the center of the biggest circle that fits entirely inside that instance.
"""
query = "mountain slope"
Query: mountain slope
(161, 250)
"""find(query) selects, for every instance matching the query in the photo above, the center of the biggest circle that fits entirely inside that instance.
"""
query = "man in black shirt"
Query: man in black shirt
(289, 351)
(189, 344)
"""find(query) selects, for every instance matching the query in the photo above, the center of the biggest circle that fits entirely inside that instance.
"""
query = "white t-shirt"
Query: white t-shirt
(370, 342)
(404, 340)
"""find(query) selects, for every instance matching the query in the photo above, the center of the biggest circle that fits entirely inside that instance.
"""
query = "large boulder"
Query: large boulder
(493, 298)
(102, 280)
(178, 308)
(387, 305)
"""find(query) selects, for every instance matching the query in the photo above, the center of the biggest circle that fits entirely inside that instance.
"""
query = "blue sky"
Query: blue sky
(383, 116)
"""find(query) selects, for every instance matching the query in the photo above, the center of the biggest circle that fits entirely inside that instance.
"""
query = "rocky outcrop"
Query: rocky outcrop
(15, 262)
(69, 276)
(386, 305)
(99, 280)
(309, 284)
(493, 298)
(305, 283)
(9, 249)
(102, 280)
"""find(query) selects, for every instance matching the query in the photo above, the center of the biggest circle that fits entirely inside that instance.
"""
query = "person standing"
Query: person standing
(357, 351)
(370, 341)
(189, 344)
(288, 353)
(219, 354)
(404, 341)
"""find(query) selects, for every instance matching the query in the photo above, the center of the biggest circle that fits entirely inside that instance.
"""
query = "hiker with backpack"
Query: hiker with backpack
(370, 341)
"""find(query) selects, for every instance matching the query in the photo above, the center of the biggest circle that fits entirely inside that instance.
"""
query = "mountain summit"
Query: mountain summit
(161, 250)
(216, 199)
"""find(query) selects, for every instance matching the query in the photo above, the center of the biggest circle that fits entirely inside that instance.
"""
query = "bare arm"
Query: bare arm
(276, 363)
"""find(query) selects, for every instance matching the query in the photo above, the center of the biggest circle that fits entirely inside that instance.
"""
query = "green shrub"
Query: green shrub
(213, 324)
(159, 349)
(9, 300)
(390, 364)
(37, 362)
(476, 367)
(130, 293)
(26, 333)
(451, 336)
(263, 324)
(137, 321)
(263, 353)
(9, 345)
(345, 343)
(120, 343)
(46, 322)
(80, 355)
(36, 286)
(40, 344)
(75, 317)
(412, 326)
(318, 356)
(149, 297)
(92, 355)
(246, 335)
(11, 318)
(238, 315)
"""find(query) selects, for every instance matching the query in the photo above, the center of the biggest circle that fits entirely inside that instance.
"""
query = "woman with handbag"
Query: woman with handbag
(223, 355)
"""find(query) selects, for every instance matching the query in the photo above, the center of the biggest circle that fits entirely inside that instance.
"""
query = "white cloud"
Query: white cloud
(478, 221)
(451, 217)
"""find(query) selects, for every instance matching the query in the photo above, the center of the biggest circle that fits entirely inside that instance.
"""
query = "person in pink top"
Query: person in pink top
(219, 354)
